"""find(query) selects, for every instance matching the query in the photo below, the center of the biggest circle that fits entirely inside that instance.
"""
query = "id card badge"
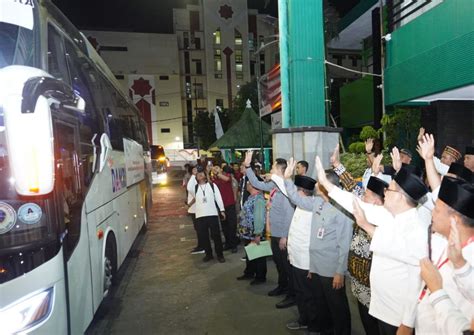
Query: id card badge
(320, 233)
(204, 200)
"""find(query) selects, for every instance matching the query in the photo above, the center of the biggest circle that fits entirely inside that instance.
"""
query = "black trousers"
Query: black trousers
(387, 329)
(332, 309)
(229, 227)
(204, 225)
(199, 242)
(257, 267)
(303, 295)
(280, 257)
(370, 323)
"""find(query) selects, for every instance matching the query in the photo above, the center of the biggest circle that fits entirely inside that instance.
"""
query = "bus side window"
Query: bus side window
(57, 66)
(80, 68)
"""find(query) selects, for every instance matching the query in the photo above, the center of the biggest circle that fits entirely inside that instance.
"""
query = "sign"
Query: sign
(269, 87)
(17, 12)
(134, 164)
(7, 217)
(164, 104)
(276, 121)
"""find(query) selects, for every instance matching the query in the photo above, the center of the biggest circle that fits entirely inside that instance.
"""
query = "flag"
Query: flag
(218, 124)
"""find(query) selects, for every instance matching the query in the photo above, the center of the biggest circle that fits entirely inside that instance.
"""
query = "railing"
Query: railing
(399, 10)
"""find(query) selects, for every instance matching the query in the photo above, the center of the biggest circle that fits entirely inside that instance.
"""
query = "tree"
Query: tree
(247, 91)
(204, 129)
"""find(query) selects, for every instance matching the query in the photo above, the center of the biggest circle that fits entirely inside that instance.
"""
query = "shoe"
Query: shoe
(245, 277)
(221, 259)
(287, 302)
(295, 325)
(197, 250)
(277, 291)
(258, 281)
(243, 258)
(234, 250)
(207, 258)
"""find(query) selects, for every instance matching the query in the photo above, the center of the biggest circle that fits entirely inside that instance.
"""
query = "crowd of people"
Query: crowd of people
(403, 235)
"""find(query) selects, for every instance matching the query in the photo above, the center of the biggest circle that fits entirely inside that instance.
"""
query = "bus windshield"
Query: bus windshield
(17, 45)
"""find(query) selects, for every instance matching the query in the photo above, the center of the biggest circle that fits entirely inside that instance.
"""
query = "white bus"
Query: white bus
(75, 173)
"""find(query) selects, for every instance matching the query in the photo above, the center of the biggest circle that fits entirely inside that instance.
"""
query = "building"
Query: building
(217, 44)
(214, 50)
(147, 67)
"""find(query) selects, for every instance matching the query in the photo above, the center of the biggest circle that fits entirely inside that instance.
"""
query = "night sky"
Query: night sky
(154, 16)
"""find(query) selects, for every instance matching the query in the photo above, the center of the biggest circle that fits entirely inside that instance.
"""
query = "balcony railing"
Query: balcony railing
(399, 10)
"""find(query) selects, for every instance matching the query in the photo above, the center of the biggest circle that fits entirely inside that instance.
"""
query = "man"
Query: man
(302, 168)
(398, 243)
(281, 213)
(191, 185)
(469, 158)
(209, 204)
(330, 235)
(223, 181)
(454, 206)
(298, 250)
(449, 155)
(360, 257)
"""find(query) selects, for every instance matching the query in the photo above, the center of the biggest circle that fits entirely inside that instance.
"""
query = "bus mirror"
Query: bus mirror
(105, 147)
(30, 146)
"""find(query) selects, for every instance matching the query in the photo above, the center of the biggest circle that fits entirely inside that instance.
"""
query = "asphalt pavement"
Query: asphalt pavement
(163, 289)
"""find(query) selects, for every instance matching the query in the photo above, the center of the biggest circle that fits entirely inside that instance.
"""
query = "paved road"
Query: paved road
(164, 290)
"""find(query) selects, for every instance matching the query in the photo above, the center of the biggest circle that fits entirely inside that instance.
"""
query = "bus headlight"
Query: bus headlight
(21, 316)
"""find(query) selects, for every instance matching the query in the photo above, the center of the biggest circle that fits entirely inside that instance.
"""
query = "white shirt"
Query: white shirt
(440, 167)
(206, 200)
(191, 187)
(299, 238)
(425, 210)
(428, 311)
(398, 245)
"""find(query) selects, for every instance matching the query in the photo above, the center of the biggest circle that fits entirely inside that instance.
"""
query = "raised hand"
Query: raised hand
(359, 214)
(396, 161)
(248, 158)
(431, 275)
(421, 132)
(376, 164)
(426, 146)
(290, 168)
(369, 145)
(454, 246)
(335, 158)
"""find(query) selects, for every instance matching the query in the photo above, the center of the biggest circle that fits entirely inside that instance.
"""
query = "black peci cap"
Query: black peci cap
(469, 150)
(461, 172)
(413, 169)
(458, 194)
(410, 183)
(377, 186)
(305, 182)
(406, 152)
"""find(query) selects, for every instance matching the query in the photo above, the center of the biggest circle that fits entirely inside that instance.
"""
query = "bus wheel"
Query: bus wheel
(110, 264)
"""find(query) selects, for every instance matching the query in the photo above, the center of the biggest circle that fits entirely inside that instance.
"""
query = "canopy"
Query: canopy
(245, 133)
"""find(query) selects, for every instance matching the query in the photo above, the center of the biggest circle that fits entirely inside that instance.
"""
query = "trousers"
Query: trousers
(210, 224)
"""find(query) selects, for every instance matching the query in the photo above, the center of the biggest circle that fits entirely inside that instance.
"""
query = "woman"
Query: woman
(252, 230)
(209, 203)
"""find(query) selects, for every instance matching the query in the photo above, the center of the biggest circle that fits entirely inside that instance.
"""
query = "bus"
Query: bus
(159, 165)
(75, 173)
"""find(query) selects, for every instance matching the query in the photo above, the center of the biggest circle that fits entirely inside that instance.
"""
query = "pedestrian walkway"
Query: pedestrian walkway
(165, 290)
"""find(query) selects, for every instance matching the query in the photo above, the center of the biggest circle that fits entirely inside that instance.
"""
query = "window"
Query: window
(238, 37)
(165, 130)
(217, 37)
(194, 20)
(199, 90)
(119, 77)
(218, 75)
(238, 56)
(164, 78)
(113, 48)
(252, 68)
(57, 66)
(187, 65)
(198, 66)
(197, 43)
(185, 40)
(217, 65)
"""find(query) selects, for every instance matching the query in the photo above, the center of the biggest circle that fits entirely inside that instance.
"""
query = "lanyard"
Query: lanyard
(203, 190)
(442, 262)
